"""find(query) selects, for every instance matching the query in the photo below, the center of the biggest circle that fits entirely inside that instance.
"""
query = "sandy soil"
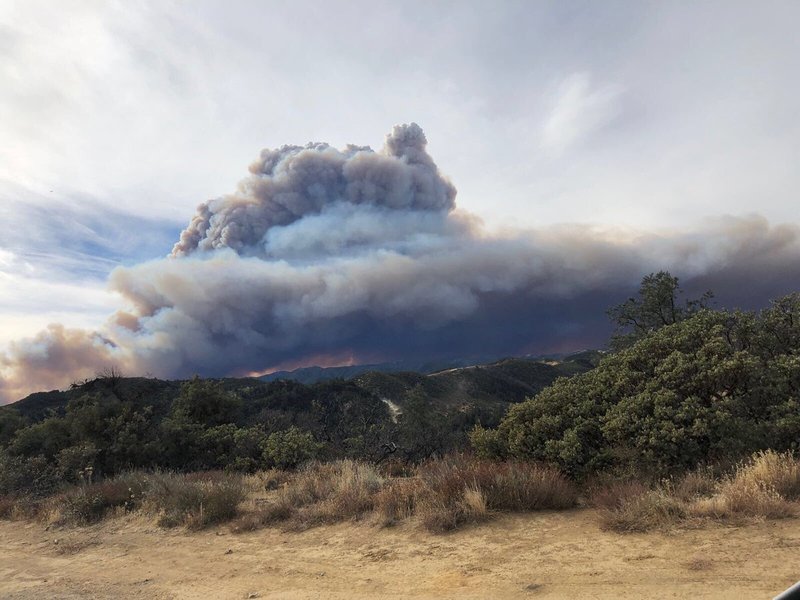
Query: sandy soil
(554, 555)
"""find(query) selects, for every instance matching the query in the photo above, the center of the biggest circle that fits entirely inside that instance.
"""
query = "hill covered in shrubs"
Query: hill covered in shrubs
(111, 424)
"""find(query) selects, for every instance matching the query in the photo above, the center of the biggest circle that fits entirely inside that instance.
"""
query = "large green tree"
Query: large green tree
(657, 305)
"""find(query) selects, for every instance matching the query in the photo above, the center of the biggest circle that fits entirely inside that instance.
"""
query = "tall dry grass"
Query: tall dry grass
(195, 500)
(441, 495)
(766, 486)
(459, 489)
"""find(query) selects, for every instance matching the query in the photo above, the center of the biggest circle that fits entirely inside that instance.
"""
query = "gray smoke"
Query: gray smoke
(292, 182)
(325, 256)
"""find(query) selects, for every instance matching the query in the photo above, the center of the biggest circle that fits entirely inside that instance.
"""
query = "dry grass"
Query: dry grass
(764, 487)
(328, 493)
(441, 495)
(653, 509)
(769, 469)
(397, 501)
(7, 506)
(196, 500)
(451, 489)
(694, 485)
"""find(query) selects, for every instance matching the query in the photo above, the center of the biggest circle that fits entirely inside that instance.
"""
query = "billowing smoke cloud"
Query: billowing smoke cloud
(295, 181)
(324, 256)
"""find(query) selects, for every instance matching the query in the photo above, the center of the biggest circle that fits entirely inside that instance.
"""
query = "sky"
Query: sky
(621, 120)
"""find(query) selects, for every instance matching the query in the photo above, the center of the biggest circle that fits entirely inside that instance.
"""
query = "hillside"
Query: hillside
(498, 383)
(493, 385)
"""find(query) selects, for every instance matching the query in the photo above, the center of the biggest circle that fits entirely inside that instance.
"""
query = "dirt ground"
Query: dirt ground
(552, 555)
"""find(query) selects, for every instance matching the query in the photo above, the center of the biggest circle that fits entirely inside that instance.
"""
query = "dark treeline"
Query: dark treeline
(112, 424)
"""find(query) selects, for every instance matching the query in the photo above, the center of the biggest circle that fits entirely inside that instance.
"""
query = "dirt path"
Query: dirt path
(559, 555)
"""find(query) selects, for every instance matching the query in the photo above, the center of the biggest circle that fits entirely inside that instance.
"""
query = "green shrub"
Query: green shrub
(290, 448)
(714, 387)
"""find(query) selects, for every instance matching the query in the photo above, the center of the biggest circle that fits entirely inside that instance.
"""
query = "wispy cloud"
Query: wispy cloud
(580, 109)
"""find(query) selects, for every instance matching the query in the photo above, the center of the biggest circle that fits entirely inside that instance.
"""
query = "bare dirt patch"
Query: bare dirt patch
(544, 555)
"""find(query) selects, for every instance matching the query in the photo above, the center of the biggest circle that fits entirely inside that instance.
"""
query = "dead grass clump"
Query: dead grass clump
(334, 492)
(271, 479)
(761, 487)
(742, 498)
(394, 467)
(519, 486)
(695, 484)
(196, 501)
(7, 506)
(90, 504)
(769, 469)
(263, 515)
(319, 493)
(616, 494)
(652, 509)
(440, 513)
(397, 501)
(459, 489)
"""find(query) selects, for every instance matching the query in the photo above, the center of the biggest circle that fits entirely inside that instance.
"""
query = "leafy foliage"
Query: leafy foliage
(714, 386)
(657, 306)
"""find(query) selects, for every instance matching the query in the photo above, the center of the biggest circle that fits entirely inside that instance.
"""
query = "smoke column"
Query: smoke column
(324, 255)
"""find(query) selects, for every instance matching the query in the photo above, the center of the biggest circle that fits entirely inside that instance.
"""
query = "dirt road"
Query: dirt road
(555, 555)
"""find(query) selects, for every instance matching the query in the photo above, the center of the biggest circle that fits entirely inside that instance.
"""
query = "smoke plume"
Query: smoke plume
(324, 256)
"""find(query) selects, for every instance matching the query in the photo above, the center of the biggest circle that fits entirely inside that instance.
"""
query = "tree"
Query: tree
(423, 431)
(206, 402)
(657, 306)
(713, 387)
(291, 448)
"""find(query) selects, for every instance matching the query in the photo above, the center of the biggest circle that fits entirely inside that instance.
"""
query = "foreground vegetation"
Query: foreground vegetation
(438, 496)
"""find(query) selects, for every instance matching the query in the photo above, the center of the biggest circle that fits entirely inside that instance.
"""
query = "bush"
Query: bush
(450, 487)
(195, 501)
(290, 448)
(714, 387)
(31, 476)
(397, 501)
(651, 509)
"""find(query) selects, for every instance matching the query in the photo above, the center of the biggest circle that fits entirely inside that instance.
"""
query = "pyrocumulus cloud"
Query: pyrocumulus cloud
(326, 255)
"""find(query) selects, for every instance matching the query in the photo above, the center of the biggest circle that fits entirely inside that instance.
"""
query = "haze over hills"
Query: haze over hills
(493, 384)
(424, 367)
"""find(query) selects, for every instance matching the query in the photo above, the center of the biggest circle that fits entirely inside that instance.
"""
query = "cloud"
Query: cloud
(359, 255)
(579, 110)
